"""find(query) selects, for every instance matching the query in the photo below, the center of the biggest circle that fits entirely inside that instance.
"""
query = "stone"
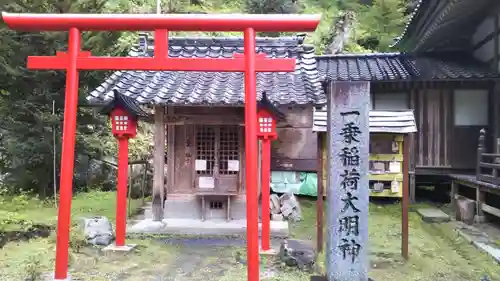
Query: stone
(286, 210)
(289, 199)
(295, 215)
(290, 207)
(275, 204)
(298, 253)
(348, 185)
(465, 210)
(98, 231)
(277, 217)
(433, 215)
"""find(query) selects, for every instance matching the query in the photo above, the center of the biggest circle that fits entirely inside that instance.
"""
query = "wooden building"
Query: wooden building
(199, 120)
(447, 73)
(449, 97)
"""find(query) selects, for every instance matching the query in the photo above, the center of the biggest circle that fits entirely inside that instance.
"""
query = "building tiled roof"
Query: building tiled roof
(400, 122)
(401, 67)
(443, 24)
(217, 88)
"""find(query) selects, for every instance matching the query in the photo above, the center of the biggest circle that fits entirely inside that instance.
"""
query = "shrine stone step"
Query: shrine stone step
(433, 215)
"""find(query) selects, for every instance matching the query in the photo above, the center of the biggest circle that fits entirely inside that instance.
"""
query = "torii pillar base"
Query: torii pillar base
(67, 278)
(270, 252)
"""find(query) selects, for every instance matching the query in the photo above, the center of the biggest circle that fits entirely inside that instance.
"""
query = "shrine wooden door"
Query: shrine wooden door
(217, 162)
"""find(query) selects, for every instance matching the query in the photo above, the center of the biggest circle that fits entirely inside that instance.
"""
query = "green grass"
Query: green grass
(21, 260)
(437, 252)
(21, 212)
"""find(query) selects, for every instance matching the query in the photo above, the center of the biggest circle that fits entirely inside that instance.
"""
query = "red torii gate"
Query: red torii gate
(75, 60)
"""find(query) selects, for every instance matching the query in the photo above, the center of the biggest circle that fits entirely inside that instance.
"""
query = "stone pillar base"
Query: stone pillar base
(120, 249)
(479, 219)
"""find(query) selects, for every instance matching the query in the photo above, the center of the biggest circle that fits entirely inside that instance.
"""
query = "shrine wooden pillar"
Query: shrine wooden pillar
(159, 164)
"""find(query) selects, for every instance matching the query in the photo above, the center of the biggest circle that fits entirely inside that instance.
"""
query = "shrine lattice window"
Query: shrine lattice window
(205, 148)
(229, 150)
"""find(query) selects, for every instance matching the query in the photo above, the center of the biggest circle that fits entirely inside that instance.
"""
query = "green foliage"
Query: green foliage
(382, 22)
(271, 7)
(27, 123)
(374, 28)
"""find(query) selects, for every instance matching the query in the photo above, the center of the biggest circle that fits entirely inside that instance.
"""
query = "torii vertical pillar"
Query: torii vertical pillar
(67, 156)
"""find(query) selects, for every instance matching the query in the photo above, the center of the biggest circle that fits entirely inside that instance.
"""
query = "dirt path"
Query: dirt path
(207, 259)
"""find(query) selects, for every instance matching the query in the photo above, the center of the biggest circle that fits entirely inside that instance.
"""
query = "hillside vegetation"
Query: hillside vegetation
(27, 121)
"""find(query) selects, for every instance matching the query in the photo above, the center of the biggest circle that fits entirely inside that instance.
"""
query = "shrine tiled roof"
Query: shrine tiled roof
(216, 88)
(401, 67)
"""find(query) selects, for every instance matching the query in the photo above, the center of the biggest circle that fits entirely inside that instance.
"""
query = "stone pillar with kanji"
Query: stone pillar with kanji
(347, 182)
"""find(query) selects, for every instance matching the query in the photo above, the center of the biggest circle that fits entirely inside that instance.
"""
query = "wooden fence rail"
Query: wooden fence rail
(136, 180)
(488, 164)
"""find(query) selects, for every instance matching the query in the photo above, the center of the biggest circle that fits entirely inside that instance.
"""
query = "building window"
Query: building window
(470, 107)
(390, 101)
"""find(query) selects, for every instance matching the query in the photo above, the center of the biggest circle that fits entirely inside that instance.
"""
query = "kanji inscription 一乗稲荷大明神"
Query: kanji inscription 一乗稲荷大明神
(348, 182)
(349, 224)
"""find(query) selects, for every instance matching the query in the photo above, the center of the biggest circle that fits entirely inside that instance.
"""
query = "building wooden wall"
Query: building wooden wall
(295, 148)
(296, 143)
(434, 118)
(440, 145)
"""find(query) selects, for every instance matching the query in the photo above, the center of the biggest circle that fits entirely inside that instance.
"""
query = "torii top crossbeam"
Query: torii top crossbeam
(184, 22)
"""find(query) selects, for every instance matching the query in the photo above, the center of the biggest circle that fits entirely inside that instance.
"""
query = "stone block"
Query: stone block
(98, 231)
(466, 209)
(286, 210)
(298, 253)
(277, 217)
(479, 219)
(275, 204)
(433, 215)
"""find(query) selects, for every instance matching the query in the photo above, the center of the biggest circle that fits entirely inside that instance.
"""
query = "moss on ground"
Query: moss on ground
(437, 252)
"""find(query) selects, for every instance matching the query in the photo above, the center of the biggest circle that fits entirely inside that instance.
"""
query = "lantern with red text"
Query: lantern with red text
(123, 123)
